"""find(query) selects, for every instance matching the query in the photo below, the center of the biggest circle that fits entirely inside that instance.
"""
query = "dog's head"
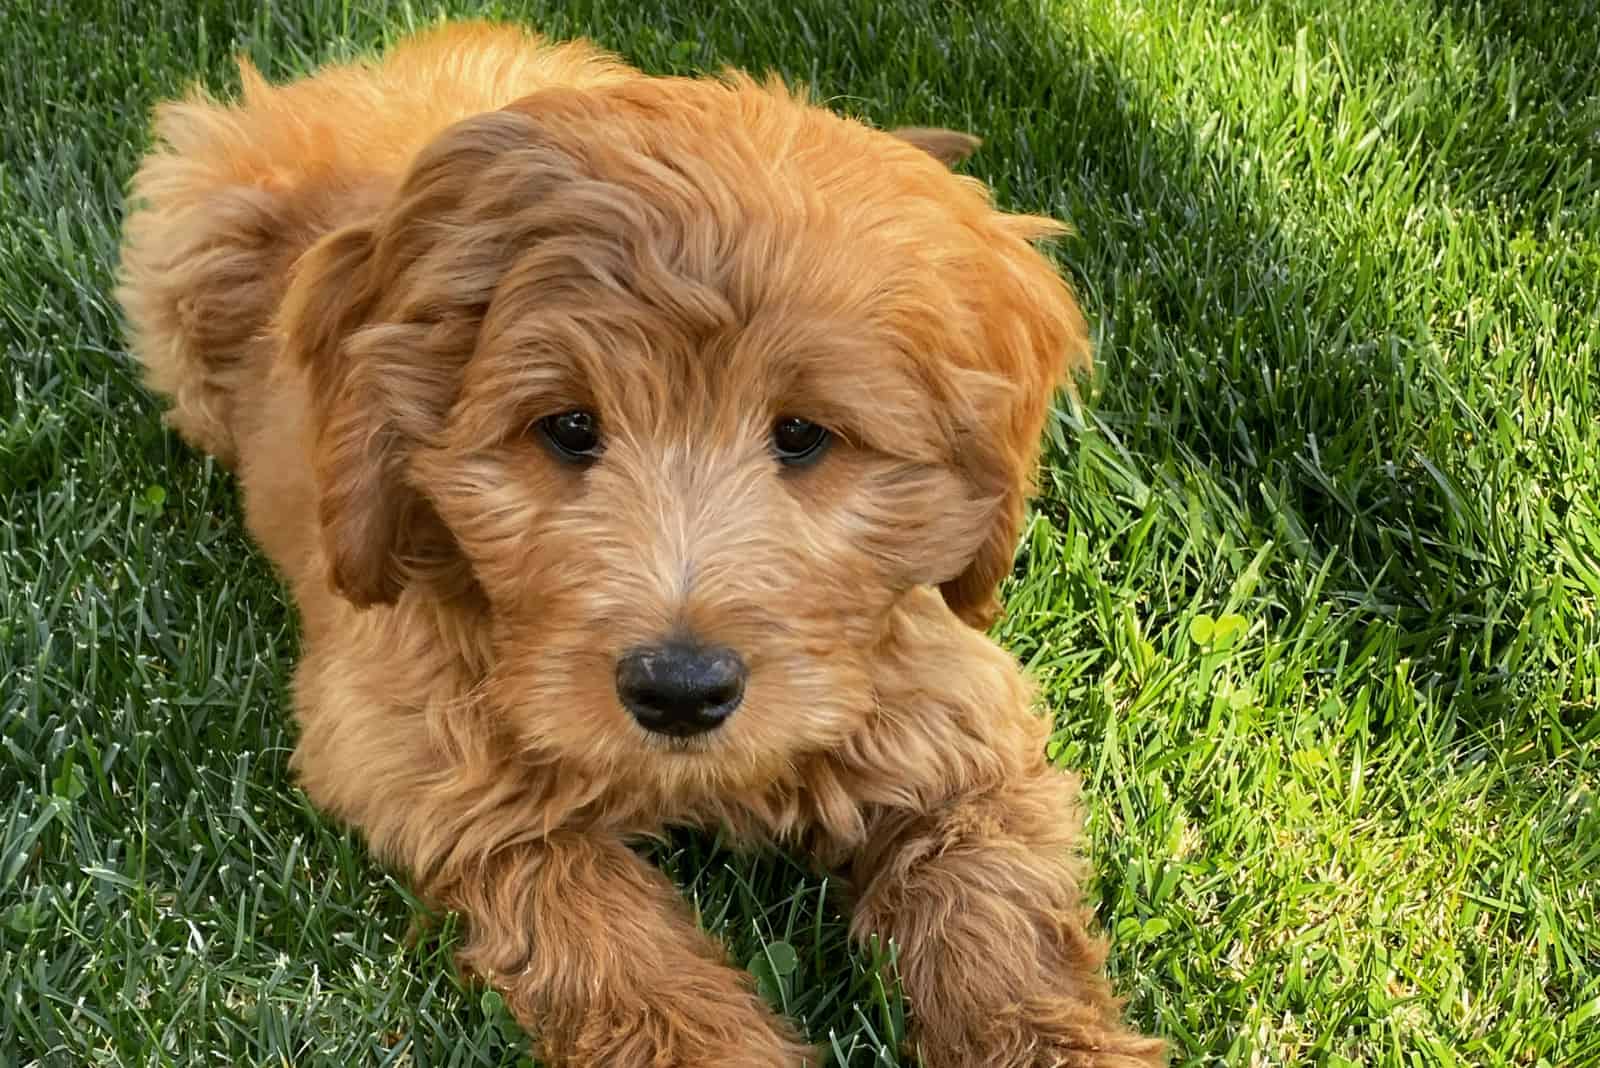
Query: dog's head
(697, 381)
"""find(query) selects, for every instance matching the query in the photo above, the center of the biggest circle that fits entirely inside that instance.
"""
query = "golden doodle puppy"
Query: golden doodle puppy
(640, 452)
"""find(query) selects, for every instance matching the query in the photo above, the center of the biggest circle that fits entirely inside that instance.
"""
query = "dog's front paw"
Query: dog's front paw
(710, 1021)
(1043, 1032)
(704, 1015)
(999, 955)
(756, 1041)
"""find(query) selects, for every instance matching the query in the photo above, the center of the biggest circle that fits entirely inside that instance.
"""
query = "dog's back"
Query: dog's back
(232, 194)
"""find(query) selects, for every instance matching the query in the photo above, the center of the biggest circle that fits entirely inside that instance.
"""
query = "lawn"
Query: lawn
(1310, 587)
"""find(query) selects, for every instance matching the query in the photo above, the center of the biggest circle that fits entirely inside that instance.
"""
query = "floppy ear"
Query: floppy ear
(383, 315)
(356, 453)
(1035, 340)
(974, 594)
(949, 147)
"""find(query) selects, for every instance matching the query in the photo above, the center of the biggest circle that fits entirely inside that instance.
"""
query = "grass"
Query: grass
(1310, 587)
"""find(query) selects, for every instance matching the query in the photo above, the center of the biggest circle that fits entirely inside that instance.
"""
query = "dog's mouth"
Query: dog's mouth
(681, 746)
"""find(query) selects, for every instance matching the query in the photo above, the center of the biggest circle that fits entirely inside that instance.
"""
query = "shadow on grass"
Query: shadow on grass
(1306, 376)
(1538, 58)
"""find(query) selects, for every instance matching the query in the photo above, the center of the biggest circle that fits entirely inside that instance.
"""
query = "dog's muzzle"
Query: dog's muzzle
(680, 688)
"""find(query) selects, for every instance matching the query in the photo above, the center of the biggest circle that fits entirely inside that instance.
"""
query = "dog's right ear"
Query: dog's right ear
(355, 451)
(382, 315)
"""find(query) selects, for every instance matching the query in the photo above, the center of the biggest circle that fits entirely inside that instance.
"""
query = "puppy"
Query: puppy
(640, 452)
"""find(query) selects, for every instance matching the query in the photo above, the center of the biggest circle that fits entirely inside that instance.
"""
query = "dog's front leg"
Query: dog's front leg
(597, 956)
(981, 895)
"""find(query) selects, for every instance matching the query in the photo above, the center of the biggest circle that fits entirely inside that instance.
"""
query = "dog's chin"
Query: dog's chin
(683, 748)
(718, 763)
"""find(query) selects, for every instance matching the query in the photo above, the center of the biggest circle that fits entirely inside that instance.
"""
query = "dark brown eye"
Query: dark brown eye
(574, 435)
(798, 441)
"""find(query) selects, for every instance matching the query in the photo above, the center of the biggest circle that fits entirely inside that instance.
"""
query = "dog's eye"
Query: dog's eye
(798, 441)
(575, 434)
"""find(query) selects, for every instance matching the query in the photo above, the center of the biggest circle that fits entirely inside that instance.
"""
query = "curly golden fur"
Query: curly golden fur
(368, 290)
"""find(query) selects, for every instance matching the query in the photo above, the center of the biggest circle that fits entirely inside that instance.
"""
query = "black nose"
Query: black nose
(680, 688)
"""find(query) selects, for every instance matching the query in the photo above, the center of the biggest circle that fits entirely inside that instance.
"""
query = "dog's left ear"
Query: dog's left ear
(949, 147)
(1036, 341)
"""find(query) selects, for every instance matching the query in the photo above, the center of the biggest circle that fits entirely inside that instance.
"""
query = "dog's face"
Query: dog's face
(696, 382)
